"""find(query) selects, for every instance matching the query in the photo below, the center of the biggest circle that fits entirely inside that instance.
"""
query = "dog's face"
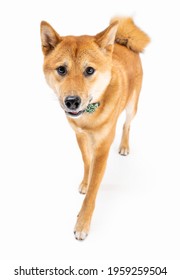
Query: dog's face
(78, 69)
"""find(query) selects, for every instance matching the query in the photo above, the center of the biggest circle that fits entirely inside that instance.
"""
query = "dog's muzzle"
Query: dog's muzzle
(72, 103)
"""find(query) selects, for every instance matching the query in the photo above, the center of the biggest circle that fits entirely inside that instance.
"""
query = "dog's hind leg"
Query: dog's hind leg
(131, 110)
(84, 146)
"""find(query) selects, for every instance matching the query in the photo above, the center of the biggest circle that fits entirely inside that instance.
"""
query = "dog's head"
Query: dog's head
(77, 68)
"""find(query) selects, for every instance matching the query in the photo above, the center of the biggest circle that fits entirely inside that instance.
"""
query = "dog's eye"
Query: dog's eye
(89, 71)
(62, 70)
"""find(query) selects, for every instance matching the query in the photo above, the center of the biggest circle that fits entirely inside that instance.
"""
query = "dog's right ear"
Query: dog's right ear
(49, 37)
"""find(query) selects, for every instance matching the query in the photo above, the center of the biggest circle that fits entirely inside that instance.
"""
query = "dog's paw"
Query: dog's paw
(80, 235)
(82, 226)
(81, 230)
(83, 188)
(124, 151)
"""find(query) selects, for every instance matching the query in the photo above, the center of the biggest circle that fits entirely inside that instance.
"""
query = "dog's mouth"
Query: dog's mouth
(91, 108)
(74, 114)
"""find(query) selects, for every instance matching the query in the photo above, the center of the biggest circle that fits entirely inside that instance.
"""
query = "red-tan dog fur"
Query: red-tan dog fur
(105, 68)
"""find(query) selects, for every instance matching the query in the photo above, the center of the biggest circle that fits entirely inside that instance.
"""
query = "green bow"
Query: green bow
(91, 108)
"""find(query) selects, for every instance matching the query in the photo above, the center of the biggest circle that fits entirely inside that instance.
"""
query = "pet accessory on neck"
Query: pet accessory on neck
(91, 108)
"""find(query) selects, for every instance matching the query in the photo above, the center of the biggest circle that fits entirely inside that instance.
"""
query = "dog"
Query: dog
(95, 78)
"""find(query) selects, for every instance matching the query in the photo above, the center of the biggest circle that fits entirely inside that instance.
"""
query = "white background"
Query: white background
(138, 205)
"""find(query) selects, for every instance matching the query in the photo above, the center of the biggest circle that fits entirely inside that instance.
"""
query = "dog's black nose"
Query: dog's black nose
(72, 102)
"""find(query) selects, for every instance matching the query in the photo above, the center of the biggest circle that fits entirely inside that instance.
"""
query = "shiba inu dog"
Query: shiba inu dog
(95, 78)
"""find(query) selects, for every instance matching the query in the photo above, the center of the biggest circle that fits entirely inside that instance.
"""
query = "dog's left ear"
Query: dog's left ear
(106, 38)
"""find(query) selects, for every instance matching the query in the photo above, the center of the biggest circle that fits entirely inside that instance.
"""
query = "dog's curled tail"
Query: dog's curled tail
(129, 35)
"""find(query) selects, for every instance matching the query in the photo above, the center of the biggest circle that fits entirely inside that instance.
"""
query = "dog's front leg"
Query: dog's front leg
(85, 147)
(97, 169)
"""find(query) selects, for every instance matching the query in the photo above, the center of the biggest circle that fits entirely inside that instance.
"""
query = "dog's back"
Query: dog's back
(130, 40)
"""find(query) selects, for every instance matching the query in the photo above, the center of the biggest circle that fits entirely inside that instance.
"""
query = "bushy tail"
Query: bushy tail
(129, 35)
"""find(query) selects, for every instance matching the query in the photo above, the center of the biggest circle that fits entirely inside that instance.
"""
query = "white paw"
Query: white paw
(83, 188)
(80, 235)
(124, 151)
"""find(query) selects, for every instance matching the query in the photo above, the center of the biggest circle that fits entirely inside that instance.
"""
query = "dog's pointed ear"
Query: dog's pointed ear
(49, 37)
(106, 38)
